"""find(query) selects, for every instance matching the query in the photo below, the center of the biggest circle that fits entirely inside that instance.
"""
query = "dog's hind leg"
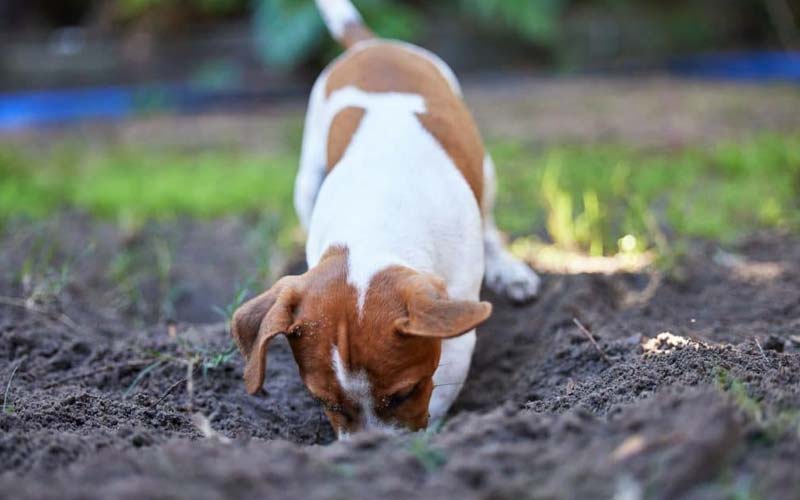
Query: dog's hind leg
(505, 274)
(312, 155)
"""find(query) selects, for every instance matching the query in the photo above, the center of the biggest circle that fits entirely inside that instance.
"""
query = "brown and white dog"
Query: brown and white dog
(396, 193)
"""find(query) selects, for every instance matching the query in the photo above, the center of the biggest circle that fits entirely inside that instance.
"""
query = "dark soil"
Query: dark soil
(98, 406)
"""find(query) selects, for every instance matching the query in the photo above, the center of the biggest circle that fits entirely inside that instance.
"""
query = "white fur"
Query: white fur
(337, 14)
(357, 387)
(397, 198)
(450, 375)
(312, 154)
(505, 274)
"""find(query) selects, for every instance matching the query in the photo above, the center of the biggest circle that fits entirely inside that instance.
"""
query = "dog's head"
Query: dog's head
(368, 357)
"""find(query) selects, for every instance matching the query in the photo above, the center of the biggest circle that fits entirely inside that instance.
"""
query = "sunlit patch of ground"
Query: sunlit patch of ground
(551, 258)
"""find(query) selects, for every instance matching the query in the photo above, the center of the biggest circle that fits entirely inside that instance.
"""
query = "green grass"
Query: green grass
(139, 184)
(774, 424)
(590, 197)
(596, 199)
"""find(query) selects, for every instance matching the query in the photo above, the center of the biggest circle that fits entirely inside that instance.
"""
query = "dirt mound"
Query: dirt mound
(692, 391)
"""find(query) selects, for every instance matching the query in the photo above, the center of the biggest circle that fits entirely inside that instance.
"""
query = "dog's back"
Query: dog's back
(377, 66)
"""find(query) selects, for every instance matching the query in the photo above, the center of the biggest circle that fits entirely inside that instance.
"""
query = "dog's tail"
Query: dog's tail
(344, 22)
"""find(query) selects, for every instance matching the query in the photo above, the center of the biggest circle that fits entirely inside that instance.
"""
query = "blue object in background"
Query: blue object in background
(25, 109)
(742, 66)
(48, 107)
(52, 107)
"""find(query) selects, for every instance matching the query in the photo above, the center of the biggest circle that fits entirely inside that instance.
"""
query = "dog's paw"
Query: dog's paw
(512, 278)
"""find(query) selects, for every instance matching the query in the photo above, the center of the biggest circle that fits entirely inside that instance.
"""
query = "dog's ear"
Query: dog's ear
(260, 320)
(431, 313)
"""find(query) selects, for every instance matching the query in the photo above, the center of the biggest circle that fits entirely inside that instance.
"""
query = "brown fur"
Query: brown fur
(354, 33)
(343, 126)
(396, 340)
(391, 68)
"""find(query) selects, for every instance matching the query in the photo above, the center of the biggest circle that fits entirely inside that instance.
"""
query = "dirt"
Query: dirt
(710, 409)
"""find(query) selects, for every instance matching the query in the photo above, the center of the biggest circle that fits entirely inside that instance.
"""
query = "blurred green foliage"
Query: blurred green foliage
(533, 21)
(135, 8)
(585, 198)
(572, 32)
(289, 31)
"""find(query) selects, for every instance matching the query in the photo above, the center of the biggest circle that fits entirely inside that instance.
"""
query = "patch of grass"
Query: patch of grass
(267, 242)
(192, 355)
(598, 199)
(738, 393)
(141, 376)
(419, 446)
(732, 485)
(46, 271)
(226, 312)
(136, 184)
(125, 271)
(591, 197)
(772, 424)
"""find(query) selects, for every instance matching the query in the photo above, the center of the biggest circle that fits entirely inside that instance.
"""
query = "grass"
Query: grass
(431, 458)
(774, 424)
(7, 407)
(591, 198)
(191, 354)
(597, 199)
(133, 184)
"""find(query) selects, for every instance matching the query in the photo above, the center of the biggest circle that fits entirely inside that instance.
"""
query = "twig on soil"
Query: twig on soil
(173, 387)
(589, 335)
(10, 379)
(761, 350)
(169, 391)
(23, 304)
(101, 369)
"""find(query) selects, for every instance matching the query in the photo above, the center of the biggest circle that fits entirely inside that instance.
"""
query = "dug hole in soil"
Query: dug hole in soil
(98, 405)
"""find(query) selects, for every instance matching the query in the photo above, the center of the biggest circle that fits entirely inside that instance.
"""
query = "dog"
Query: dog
(395, 192)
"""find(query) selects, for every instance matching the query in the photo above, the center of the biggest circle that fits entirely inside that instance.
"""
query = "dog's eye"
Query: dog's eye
(401, 396)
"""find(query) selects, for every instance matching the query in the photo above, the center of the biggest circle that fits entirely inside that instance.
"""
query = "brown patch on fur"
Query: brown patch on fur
(343, 126)
(388, 67)
(260, 320)
(395, 341)
(367, 342)
(354, 33)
